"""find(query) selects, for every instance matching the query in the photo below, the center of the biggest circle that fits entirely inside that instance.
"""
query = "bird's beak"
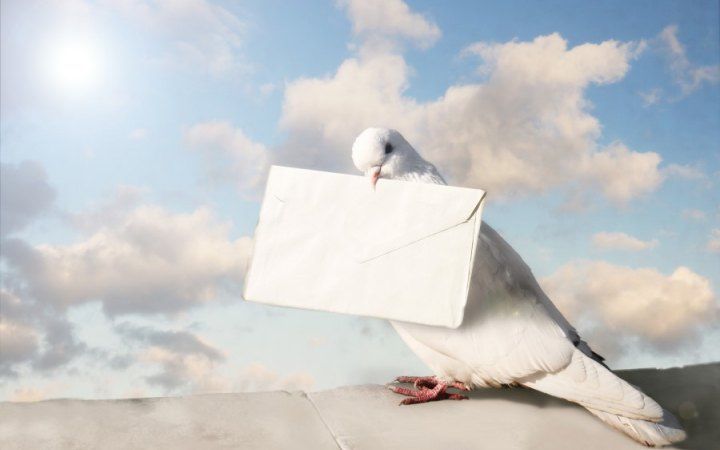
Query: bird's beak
(374, 175)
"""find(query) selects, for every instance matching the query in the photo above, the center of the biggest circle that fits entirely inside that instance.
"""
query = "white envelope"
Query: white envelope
(327, 241)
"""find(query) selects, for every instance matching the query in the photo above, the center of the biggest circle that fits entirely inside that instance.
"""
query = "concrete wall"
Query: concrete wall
(358, 417)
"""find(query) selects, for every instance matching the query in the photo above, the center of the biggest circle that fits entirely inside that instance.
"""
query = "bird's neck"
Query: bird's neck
(418, 170)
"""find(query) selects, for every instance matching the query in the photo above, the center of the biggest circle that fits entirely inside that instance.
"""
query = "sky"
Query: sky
(136, 136)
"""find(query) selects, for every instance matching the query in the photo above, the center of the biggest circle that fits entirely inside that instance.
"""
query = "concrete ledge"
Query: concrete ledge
(359, 417)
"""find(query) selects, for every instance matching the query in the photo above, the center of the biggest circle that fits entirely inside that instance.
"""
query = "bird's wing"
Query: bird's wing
(507, 333)
(421, 171)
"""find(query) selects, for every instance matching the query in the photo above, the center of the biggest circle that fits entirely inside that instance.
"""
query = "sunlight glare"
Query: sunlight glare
(74, 65)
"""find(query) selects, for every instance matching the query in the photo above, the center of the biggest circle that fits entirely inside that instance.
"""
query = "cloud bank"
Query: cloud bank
(525, 129)
(151, 261)
(614, 306)
(132, 258)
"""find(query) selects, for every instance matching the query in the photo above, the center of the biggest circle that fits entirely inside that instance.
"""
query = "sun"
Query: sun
(74, 65)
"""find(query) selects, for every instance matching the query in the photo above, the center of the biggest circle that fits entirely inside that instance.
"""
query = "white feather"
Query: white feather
(651, 434)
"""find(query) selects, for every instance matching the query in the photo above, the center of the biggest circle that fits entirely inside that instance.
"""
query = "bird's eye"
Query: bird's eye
(388, 148)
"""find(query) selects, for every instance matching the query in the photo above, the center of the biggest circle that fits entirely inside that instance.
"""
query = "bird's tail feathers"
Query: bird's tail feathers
(652, 434)
(587, 382)
(610, 398)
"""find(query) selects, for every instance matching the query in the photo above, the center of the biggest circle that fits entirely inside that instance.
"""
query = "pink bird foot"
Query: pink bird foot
(430, 382)
(429, 389)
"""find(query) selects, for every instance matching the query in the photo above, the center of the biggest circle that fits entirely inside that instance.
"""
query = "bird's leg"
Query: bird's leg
(428, 389)
(431, 382)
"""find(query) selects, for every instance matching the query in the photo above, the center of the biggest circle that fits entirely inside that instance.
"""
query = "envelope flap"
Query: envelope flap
(381, 220)
(381, 224)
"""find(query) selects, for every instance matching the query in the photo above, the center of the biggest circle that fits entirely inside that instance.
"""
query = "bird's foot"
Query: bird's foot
(428, 389)
(430, 382)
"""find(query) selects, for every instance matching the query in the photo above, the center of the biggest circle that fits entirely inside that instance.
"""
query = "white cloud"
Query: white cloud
(373, 19)
(179, 341)
(190, 364)
(20, 343)
(693, 214)
(547, 59)
(684, 171)
(32, 334)
(622, 174)
(651, 97)
(181, 372)
(526, 129)
(111, 209)
(688, 76)
(187, 362)
(621, 241)
(131, 258)
(713, 243)
(148, 261)
(229, 155)
(617, 306)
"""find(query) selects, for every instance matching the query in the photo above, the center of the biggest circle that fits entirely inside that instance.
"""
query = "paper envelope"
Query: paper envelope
(330, 242)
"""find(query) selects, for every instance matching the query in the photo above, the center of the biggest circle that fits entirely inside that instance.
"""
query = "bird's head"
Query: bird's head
(382, 153)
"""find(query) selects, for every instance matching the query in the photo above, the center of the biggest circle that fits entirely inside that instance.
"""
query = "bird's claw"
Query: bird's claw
(427, 389)
(431, 382)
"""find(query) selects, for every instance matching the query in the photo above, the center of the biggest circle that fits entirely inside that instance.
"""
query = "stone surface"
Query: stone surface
(358, 417)
(267, 420)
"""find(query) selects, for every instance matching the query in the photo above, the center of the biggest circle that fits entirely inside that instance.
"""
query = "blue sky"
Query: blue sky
(135, 133)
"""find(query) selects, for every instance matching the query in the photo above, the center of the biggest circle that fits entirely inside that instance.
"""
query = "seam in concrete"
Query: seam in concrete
(322, 419)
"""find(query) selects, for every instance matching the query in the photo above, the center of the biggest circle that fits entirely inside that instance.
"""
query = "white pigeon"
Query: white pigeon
(512, 334)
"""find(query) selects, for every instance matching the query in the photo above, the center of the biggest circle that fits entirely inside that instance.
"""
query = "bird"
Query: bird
(512, 334)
